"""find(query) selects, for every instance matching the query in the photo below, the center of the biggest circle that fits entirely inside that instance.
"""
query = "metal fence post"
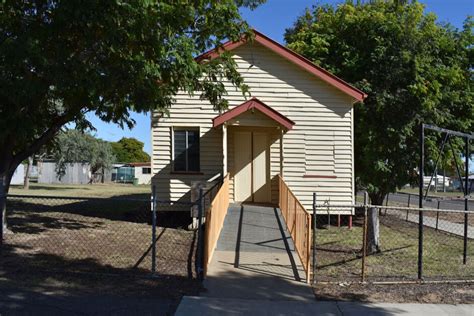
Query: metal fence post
(464, 257)
(437, 216)
(364, 237)
(3, 201)
(314, 238)
(153, 230)
(420, 202)
(409, 201)
(329, 217)
(466, 202)
(200, 248)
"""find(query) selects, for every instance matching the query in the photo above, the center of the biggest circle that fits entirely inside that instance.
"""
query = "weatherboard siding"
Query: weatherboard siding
(320, 145)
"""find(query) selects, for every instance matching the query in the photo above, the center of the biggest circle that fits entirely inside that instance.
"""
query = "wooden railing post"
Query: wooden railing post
(298, 223)
(295, 218)
(308, 248)
(215, 216)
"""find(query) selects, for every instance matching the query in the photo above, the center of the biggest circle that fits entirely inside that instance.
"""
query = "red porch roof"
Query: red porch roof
(294, 58)
(254, 103)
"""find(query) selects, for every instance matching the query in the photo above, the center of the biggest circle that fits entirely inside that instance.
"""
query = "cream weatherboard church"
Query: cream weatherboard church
(298, 122)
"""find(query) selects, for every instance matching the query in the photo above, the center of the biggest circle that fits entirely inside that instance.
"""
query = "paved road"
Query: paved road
(402, 198)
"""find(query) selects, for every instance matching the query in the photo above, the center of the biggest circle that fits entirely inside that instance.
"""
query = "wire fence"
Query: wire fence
(143, 237)
(437, 202)
(96, 235)
(440, 248)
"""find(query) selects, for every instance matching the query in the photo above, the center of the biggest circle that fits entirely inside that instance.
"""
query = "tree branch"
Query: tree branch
(41, 141)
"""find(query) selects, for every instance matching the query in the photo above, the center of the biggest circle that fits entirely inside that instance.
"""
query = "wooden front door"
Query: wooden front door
(252, 167)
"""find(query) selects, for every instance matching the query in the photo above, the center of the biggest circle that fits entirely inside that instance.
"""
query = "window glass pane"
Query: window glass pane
(179, 151)
(193, 150)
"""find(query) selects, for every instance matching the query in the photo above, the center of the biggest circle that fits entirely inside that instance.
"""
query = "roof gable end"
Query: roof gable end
(293, 57)
(251, 104)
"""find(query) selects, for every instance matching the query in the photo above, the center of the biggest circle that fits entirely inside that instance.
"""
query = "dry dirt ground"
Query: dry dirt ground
(81, 247)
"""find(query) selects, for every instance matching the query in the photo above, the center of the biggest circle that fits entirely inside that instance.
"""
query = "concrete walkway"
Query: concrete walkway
(255, 271)
(212, 306)
(255, 258)
(443, 225)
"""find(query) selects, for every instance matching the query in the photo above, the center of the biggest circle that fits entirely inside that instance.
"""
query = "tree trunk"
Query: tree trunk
(5, 180)
(26, 184)
(3, 206)
(373, 231)
(11, 158)
(373, 224)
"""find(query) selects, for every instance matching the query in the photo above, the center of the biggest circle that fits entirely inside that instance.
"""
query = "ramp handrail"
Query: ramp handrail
(215, 216)
(298, 222)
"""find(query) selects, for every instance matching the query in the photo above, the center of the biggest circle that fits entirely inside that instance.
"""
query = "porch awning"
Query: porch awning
(252, 105)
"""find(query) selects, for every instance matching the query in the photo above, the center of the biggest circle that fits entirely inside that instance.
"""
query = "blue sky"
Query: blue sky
(272, 18)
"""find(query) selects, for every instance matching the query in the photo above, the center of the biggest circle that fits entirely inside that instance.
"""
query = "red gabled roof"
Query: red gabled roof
(253, 103)
(292, 57)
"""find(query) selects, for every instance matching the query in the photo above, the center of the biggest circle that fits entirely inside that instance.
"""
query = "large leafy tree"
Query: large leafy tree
(414, 70)
(74, 146)
(129, 150)
(62, 59)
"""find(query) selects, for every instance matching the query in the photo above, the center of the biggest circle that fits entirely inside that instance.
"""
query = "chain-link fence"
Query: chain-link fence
(122, 236)
(441, 248)
(98, 235)
(453, 202)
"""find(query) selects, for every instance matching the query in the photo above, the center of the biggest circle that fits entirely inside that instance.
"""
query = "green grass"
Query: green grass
(84, 190)
(339, 253)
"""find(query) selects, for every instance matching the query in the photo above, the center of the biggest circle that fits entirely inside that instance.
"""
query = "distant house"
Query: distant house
(457, 183)
(18, 176)
(127, 173)
(437, 181)
(75, 173)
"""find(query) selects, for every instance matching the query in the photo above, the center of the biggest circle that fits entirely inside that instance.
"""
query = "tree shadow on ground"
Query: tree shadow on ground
(286, 296)
(34, 223)
(36, 215)
(38, 187)
(42, 272)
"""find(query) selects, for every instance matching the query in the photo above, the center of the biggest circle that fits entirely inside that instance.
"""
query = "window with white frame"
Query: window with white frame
(186, 150)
